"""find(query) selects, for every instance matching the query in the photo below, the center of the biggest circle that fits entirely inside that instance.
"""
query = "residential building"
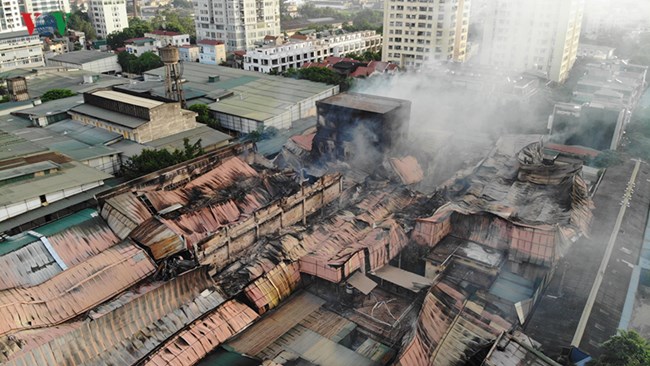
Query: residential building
(595, 51)
(189, 53)
(108, 16)
(95, 61)
(211, 52)
(240, 25)
(415, 33)
(612, 82)
(297, 52)
(604, 16)
(138, 46)
(10, 18)
(44, 7)
(531, 35)
(20, 50)
(55, 46)
(166, 38)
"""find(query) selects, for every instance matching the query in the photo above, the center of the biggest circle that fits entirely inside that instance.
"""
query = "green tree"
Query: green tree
(137, 65)
(175, 21)
(55, 94)
(204, 116)
(320, 75)
(627, 348)
(80, 21)
(125, 60)
(148, 61)
(137, 28)
(149, 161)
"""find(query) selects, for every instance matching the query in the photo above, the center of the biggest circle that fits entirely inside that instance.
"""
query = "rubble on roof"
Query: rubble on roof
(128, 332)
(75, 290)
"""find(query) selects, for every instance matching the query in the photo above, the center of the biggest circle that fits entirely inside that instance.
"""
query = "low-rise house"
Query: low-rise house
(166, 38)
(189, 53)
(138, 46)
(211, 52)
(302, 49)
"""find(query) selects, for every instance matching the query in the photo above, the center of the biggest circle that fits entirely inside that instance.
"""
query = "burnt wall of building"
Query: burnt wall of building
(228, 244)
(356, 135)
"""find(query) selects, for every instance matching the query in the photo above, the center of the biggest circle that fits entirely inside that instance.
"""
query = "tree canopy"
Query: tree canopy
(320, 75)
(137, 65)
(175, 21)
(80, 21)
(627, 348)
(366, 56)
(149, 161)
(137, 28)
(55, 94)
(203, 112)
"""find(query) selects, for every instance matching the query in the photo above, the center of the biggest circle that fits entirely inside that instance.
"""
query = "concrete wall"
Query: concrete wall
(166, 120)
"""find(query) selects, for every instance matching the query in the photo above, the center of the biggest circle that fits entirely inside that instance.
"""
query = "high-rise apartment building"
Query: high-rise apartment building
(240, 24)
(419, 31)
(532, 35)
(10, 19)
(45, 6)
(108, 16)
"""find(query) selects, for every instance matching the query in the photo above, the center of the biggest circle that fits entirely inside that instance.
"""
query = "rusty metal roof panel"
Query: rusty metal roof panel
(75, 290)
(408, 169)
(226, 174)
(204, 335)
(124, 212)
(448, 329)
(276, 285)
(34, 264)
(158, 238)
(128, 332)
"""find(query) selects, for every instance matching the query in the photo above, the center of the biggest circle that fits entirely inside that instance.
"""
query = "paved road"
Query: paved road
(556, 317)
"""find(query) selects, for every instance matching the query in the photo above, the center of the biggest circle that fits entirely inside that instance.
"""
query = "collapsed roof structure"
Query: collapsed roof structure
(312, 265)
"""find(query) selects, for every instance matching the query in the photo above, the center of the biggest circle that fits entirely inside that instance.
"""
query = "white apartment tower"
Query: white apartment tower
(532, 35)
(240, 24)
(108, 16)
(419, 31)
(10, 19)
(45, 6)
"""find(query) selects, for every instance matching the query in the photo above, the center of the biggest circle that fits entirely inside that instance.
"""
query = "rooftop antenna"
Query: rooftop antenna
(173, 87)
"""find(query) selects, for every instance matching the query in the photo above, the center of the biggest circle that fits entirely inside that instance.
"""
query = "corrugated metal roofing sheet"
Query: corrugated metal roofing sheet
(231, 170)
(129, 332)
(408, 169)
(124, 213)
(74, 291)
(33, 264)
(158, 238)
(204, 335)
(264, 332)
(448, 329)
(276, 285)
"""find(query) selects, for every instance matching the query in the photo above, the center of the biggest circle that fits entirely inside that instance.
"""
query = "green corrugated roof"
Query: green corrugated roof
(235, 82)
(19, 241)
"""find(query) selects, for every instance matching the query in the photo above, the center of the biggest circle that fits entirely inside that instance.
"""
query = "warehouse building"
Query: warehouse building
(95, 61)
(246, 101)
